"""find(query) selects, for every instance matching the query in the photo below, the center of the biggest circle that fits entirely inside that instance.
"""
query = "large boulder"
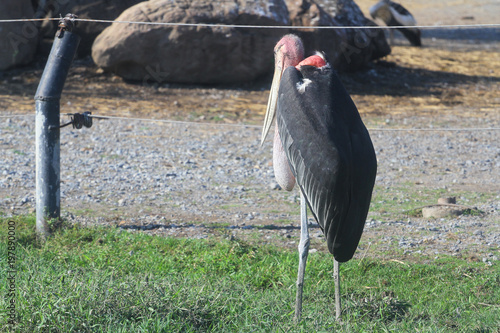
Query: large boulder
(84, 9)
(192, 54)
(346, 49)
(18, 41)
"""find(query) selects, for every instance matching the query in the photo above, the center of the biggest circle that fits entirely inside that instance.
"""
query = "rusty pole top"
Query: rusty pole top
(66, 23)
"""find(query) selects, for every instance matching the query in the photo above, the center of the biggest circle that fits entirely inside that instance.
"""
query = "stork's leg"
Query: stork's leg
(303, 252)
(336, 279)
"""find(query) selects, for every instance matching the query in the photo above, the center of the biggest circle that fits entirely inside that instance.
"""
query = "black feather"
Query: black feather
(330, 153)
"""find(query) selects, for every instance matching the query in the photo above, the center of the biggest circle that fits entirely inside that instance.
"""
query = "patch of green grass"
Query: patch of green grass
(415, 212)
(285, 221)
(19, 152)
(272, 211)
(217, 118)
(473, 212)
(401, 198)
(108, 280)
(230, 206)
(215, 224)
(407, 199)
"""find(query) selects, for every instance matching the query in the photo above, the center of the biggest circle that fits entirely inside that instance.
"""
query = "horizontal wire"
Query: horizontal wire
(436, 129)
(168, 121)
(455, 129)
(17, 115)
(260, 126)
(214, 25)
(29, 20)
(289, 26)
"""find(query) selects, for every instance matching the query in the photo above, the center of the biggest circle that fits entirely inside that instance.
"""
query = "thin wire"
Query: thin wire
(17, 115)
(259, 126)
(29, 20)
(449, 26)
(170, 121)
(436, 129)
(213, 25)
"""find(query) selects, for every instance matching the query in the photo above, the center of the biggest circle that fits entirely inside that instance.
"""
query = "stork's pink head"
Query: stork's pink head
(288, 52)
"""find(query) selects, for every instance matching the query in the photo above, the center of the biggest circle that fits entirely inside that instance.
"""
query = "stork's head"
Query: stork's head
(288, 52)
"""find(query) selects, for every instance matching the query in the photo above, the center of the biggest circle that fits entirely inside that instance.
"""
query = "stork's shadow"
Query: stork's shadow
(388, 78)
(155, 226)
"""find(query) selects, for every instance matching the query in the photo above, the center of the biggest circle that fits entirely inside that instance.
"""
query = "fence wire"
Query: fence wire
(245, 26)
(197, 123)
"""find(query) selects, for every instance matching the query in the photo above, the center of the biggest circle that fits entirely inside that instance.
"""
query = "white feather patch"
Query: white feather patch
(321, 55)
(301, 86)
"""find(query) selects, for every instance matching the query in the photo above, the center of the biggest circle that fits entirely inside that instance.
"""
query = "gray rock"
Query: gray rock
(274, 186)
(346, 49)
(18, 41)
(85, 9)
(160, 53)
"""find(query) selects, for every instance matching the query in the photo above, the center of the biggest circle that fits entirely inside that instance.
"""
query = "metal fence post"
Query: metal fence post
(47, 105)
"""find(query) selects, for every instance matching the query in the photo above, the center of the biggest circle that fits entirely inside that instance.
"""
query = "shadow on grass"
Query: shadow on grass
(154, 226)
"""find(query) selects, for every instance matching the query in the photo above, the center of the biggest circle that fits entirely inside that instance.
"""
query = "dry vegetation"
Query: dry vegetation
(409, 82)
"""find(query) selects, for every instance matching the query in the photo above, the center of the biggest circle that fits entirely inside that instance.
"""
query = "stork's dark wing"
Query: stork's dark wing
(330, 153)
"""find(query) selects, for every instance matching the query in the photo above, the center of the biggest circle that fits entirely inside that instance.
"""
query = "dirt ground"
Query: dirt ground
(409, 82)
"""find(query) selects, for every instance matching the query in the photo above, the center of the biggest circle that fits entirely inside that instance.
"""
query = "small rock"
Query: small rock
(450, 200)
(275, 186)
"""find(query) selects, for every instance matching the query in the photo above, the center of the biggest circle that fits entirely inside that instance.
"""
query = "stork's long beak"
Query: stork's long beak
(271, 103)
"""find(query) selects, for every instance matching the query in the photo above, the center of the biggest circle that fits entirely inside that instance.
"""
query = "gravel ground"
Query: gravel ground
(215, 180)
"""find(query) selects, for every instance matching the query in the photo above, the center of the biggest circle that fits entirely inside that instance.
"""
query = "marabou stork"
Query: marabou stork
(321, 143)
(393, 14)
